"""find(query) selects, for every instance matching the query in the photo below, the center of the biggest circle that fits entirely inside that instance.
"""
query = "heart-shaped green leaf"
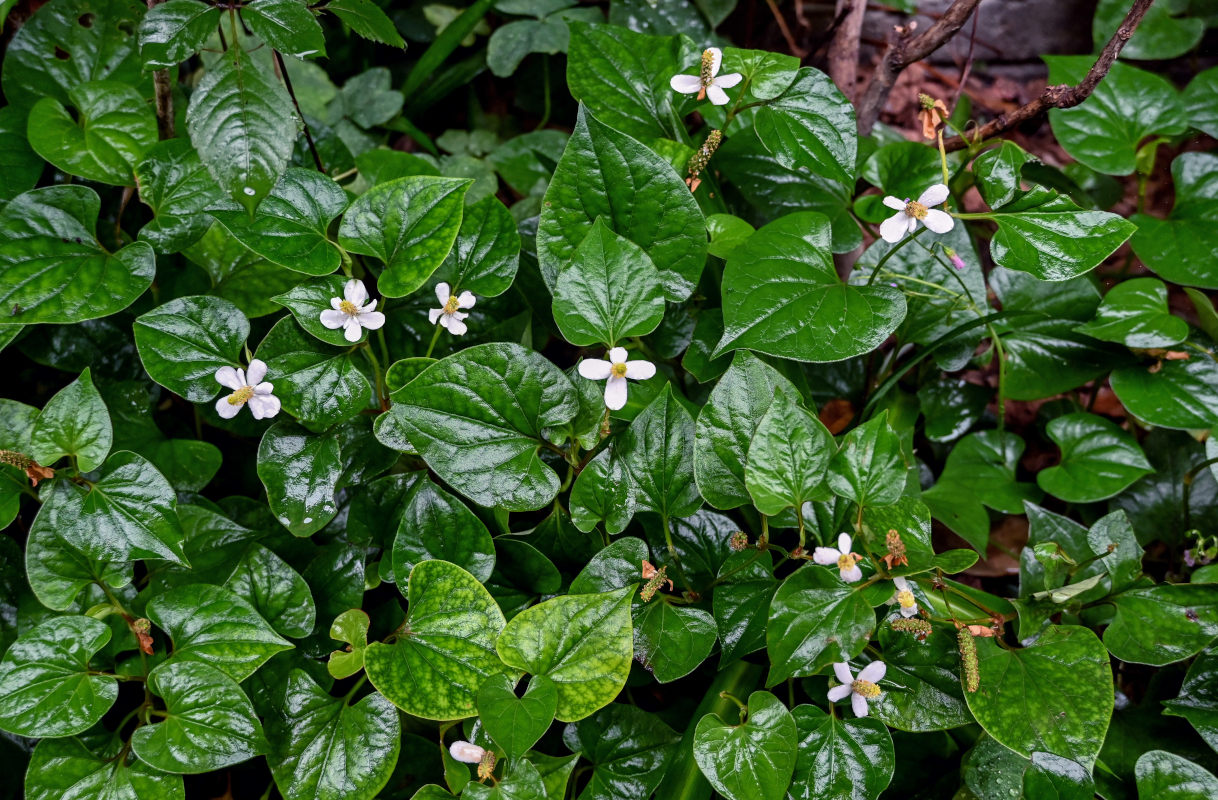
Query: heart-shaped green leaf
(1165, 32)
(840, 759)
(869, 469)
(73, 423)
(1134, 313)
(1198, 700)
(815, 620)
(742, 603)
(1178, 248)
(287, 26)
(351, 627)
(1167, 776)
(89, 766)
(486, 254)
(656, 451)
(368, 20)
(1113, 538)
(1162, 624)
(753, 760)
(103, 141)
(602, 493)
(173, 182)
(275, 590)
(1098, 459)
(811, 126)
(516, 723)
(671, 641)
(922, 690)
(173, 31)
(1180, 394)
(46, 685)
(318, 384)
(434, 524)
(629, 748)
(782, 296)
(183, 342)
(788, 458)
(445, 650)
(1056, 240)
(209, 723)
(57, 570)
(583, 643)
(300, 471)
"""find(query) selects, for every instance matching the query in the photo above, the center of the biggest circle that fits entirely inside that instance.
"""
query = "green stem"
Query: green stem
(362, 680)
(724, 576)
(744, 710)
(672, 553)
(875, 271)
(799, 515)
(978, 215)
(435, 337)
(545, 71)
(381, 397)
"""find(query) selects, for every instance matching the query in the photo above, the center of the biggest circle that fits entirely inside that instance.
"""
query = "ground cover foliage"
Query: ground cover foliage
(505, 417)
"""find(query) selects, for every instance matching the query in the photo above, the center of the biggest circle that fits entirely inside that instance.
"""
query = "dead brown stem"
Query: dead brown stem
(844, 49)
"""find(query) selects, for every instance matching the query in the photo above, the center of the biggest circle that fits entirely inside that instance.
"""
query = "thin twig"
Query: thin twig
(795, 49)
(968, 62)
(904, 52)
(287, 82)
(1061, 95)
(164, 95)
(844, 49)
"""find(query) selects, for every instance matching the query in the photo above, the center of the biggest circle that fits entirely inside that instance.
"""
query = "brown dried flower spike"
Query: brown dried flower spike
(933, 113)
(33, 470)
(895, 557)
(655, 579)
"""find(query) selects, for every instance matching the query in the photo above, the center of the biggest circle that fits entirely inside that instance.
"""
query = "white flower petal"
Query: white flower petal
(466, 300)
(826, 556)
(934, 195)
(456, 327)
(617, 355)
(370, 307)
(445, 320)
(372, 320)
(226, 409)
(842, 670)
(266, 387)
(442, 292)
(336, 303)
(640, 370)
(352, 330)
(895, 203)
(716, 60)
(859, 704)
(729, 80)
(466, 752)
(354, 292)
(434, 315)
(717, 95)
(911, 225)
(874, 672)
(333, 319)
(594, 369)
(264, 406)
(227, 376)
(893, 229)
(615, 393)
(939, 221)
(912, 611)
(256, 372)
(844, 542)
(686, 84)
(852, 575)
(839, 693)
(902, 584)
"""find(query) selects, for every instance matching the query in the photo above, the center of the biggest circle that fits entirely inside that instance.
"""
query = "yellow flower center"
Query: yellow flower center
(241, 396)
(845, 561)
(866, 689)
(906, 599)
(618, 370)
(915, 209)
(347, 307)
(451, 305)
(708, 65)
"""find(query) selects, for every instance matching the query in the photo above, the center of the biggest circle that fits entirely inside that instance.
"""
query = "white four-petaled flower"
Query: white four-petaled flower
(846, 561)
(905, 598)
(614, 372)
(248, 389)
(860, 689)
(909, 213)
(708, 82)
(449, 313)
(466, 752)
(349, 312)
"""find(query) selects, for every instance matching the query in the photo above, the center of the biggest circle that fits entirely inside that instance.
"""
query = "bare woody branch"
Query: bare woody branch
(905, 51)
(1061, 95)
(844, 49)
(163, 87)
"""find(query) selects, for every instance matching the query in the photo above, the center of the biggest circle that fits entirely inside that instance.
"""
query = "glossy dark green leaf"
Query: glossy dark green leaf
(1134, 313)
(608, 292)
(287, 26)
(869, 468)
(727, 232)
(174, 31)
(622, 76)
(318, 384)
(561, 542)
(74, 423)
(1104, 132)
(238, 274)
(289, 228)
(581, 642)
(1162, 624)
(555, 771)
(90, 767)
(522, 575)
(183, 342)
(602, 493)
(1098, 459)
(479, 438)
(486, 255)
(811, 126)
(1054, 696)
(616, 566)
(951, 407)
(788, 458)
(321, 748)
(1056, 778)
(408, 223)
(275, 590)
(1181, 394)
(173, 182)
(726, 425)
(215, 626)
(629, 748)
(656, 451)
(753, 760)
(1165, 32)
(300, 471)
(516, 723)
(209, 723)
(434, 524)
(129, 511)
(53, 269)
(910, 518)
(741, 603)
(1198, 700)
(445, 650)
(521, 782)
(1167, 776)
(1056, 240)
(671, 641)
(351, 627)
(47, 687)
(57, 570)
(368, 20)
(241, 121)
(782, 296)
(22, 166)
(815, 620)
(1176, 248)
(604, 173)
(1201, 102)
(843, 759)
(1046, 356)
(104, 139)
(922, 690)
(306, 301)
(698, 360)
(1112, 537)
